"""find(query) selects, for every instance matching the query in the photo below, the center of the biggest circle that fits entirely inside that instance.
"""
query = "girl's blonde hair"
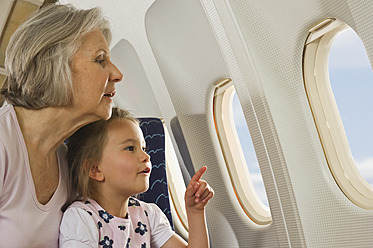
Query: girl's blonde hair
(88, 144)
(39, 53)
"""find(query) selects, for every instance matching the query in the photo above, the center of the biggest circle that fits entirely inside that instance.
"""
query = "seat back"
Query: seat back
(158, 189)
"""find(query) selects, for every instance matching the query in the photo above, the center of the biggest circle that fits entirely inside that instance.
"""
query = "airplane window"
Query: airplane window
(351, 77)
(248, 149)
(239, 153)
(339, 81)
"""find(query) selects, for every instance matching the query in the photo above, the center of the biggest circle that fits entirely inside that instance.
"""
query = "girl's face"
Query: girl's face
(125, 164)
(94, 76)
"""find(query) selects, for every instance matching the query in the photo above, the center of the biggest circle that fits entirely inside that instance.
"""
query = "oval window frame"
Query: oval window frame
(234, 156)
(326, 114)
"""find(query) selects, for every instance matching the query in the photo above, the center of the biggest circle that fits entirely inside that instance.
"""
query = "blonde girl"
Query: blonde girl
(108, 165)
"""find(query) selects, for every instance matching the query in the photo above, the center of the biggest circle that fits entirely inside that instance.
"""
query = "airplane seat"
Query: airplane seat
(158, 188)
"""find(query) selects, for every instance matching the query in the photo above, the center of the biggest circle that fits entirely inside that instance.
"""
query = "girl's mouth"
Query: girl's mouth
(145, 171)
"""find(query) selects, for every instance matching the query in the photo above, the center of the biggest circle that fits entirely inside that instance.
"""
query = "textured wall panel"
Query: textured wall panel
(275, 44)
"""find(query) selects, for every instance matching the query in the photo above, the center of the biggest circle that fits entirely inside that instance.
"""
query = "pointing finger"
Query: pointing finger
(199, 174)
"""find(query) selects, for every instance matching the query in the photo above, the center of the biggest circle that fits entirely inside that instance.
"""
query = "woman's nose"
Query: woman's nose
(115, 76)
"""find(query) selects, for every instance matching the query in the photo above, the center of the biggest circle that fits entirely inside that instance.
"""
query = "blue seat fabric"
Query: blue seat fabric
(157, 193)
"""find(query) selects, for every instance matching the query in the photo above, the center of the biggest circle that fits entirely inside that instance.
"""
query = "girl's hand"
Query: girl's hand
(198, 192)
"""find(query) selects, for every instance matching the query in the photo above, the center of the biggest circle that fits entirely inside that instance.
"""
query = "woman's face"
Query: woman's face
(94, 77)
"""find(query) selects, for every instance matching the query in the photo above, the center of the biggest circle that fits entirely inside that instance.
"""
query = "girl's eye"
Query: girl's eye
(130, 148)
(145, 149)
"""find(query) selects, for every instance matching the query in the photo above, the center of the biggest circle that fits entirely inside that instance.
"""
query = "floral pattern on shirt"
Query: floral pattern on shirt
(106, 242)
(105, 215)
(141, 229)
(133, 202)
(133, 231)
(122, 227)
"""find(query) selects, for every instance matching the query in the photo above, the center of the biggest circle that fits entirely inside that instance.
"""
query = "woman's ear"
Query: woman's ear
(95, 171)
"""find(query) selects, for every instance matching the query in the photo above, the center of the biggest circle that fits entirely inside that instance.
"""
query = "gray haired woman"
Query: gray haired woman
(60, 79)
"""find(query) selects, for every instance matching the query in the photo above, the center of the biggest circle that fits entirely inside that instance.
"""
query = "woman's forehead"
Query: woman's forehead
(94, 42)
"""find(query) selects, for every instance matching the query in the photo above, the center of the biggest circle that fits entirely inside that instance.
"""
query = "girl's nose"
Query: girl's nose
(146, 157)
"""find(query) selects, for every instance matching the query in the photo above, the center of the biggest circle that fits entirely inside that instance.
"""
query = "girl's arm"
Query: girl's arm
(197, 194)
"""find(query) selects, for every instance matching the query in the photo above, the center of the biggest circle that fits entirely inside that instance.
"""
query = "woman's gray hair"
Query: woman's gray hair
(39, 53)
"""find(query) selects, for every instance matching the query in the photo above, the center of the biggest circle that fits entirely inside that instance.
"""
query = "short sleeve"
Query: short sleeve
(78, 229)
(160, 228)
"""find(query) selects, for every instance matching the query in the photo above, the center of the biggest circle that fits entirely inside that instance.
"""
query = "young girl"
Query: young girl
(108, 164)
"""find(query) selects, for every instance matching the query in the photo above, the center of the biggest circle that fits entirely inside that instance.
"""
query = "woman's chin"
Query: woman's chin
(105, 113)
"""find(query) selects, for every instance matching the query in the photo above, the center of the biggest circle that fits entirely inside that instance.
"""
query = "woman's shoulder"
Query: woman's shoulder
(6, 108)
(9, 128)
(11, 138)
(7, 116)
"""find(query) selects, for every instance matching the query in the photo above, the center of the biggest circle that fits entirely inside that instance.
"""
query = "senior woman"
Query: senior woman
(60, 79)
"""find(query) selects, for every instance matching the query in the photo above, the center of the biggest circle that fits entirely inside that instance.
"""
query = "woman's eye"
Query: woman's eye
(145, 149)
(130, 148)
(100, 61)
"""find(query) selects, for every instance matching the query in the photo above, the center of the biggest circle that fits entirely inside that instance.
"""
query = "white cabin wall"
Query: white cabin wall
(134, 92)
(274, 34)
(361, 12)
